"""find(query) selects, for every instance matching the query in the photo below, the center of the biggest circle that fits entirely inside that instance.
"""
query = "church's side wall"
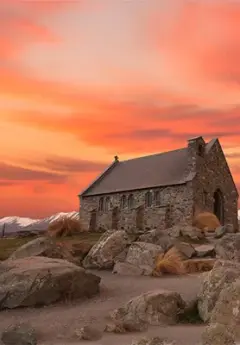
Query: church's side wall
(175, 207)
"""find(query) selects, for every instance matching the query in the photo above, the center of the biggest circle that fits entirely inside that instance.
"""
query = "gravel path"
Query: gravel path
(56, 324)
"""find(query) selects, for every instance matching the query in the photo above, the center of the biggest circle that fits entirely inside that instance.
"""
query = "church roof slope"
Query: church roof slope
(162, 169)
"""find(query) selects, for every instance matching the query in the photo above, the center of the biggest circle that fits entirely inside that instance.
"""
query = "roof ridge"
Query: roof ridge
(153, 154)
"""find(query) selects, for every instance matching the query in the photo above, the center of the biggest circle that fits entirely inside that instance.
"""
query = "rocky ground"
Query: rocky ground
(56, 324)
(120, 289)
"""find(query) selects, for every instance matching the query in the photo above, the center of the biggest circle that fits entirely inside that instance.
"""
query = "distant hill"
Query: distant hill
(14, 225)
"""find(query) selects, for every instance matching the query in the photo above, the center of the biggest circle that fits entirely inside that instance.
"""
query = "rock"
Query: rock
(220, 232)
(36, 281)
(126, 326)
(186, 249)
(89, 333)
(227, 308)
(21, 334)
(102, 255)
(228, 247)
(122, 256)
(199, 264)
(80, 249)
(222, 274)
(154, 308)
(205, 250)
(152, 341)
(125, 268)
(158, 237)
(217, 334)
(185, 230)
(143, 255)
(42, 246)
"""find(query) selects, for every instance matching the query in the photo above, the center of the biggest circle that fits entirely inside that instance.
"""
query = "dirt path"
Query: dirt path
(56, 324)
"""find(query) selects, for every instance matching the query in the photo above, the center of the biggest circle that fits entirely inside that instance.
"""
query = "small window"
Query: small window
(130, 202)
(107, 204)
(123, 201)
(100, 206)
(157, 198)
(148, 199)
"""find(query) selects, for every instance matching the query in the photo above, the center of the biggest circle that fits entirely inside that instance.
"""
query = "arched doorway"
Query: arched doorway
(218, 206)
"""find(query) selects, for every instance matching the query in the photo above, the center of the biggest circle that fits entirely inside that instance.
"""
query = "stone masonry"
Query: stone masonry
(208, 186)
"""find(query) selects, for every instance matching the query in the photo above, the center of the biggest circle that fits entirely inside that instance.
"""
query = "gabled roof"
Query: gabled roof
(162, 169)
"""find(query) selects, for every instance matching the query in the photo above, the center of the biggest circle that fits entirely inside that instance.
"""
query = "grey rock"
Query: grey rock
(159, 307)
(228, 247)
(153, 341)
(89, 333)
(157, 237)
(205, 250)
(217, 334)
(143, 254)
(20, 334)
(214, 281)
(102, 255)
(186, 249)
(36, 281)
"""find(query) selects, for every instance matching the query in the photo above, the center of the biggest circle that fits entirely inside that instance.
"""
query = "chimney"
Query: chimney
(116, 159)
(196, 151)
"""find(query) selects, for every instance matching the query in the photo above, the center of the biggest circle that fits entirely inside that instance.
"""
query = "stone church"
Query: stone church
(162, 190)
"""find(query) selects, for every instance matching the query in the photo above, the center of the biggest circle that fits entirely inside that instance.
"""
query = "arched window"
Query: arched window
(123, 201)
(157, 197)
(218, 206)
(100, 206)
(107, 204)
(201, 150)
(130, 202)
(148, 199)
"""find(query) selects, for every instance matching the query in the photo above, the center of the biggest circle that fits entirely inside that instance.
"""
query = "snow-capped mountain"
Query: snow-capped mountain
(13, 225)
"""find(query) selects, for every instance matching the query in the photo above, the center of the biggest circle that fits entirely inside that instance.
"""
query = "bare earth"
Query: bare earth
(56, 324)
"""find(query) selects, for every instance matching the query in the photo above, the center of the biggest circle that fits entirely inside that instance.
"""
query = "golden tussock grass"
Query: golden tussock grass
(206, 221)
(172, 262)
(64, 226)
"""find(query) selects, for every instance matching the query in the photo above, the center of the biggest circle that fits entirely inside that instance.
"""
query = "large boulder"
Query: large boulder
(227, 308)
(43, 246)
(36, 281)
(159, 307)
(142, 254)
(228, 247)
(217, 334)
(222, 274)
(102, 255)
(158, 237)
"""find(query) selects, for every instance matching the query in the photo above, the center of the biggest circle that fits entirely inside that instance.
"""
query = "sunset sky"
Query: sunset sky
(82, 81)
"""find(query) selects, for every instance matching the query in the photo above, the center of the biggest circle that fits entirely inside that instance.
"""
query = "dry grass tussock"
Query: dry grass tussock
(172, 262)
(206, 221)
(64, 226)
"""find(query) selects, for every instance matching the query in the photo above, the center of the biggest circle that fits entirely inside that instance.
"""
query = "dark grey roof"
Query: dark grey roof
(163, 169)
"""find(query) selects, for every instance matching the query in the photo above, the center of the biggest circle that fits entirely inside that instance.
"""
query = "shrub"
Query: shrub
(206, 221)
(171, 262)
(64, 226)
